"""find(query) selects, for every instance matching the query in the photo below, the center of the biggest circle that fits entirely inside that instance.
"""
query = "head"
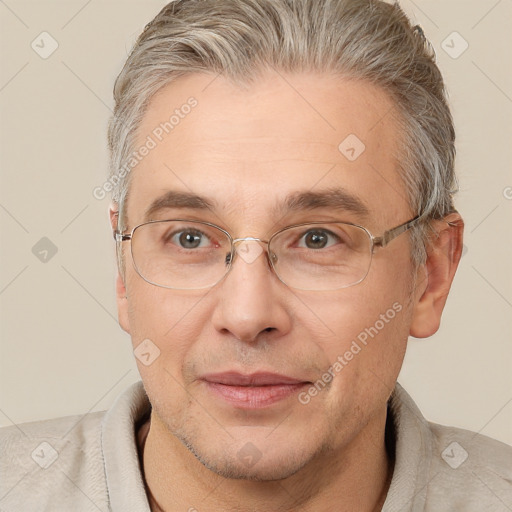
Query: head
(247, 104)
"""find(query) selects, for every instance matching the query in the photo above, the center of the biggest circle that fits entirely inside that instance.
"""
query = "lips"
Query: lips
(252, 391)
(253, 379)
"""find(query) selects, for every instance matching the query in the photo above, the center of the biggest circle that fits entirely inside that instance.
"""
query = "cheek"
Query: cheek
(172, 320)
(155, 311)
(165, 327)
(367, 334)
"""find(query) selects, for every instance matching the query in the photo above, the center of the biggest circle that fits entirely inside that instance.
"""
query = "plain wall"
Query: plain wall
(62, 350)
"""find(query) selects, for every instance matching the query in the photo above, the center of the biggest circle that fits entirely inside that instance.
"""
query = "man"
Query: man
(282, 210)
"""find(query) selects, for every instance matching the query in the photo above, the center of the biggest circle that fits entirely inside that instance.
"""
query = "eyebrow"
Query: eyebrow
(178, 200)
(338, 199)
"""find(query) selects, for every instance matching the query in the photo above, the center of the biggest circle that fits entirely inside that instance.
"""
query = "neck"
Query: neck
(356, 477)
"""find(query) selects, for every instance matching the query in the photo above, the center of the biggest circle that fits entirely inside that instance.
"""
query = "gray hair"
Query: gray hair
(363, 39)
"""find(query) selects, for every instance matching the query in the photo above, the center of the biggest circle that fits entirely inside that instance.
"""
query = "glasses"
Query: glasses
(181, 254)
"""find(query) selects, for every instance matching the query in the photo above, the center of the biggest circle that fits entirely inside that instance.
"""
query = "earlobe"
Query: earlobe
(443, 256)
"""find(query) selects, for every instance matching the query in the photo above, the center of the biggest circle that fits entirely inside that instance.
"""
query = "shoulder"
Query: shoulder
(440, 468)
(461, 446)
(474, 469)
(39, 457)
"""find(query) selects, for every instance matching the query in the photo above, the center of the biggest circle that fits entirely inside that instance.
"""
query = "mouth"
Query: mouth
(252, 391)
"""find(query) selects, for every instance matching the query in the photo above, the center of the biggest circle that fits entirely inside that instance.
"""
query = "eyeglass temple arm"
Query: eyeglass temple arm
(382, 241)
(120, 237)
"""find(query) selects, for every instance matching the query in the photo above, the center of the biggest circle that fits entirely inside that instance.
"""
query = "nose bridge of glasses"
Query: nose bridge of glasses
(250, 239)
(249, 248)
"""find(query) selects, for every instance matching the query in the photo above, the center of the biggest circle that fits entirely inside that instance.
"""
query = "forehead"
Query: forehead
(251, 148)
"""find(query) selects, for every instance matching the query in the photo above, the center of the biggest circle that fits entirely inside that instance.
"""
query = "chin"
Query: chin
(253, 460)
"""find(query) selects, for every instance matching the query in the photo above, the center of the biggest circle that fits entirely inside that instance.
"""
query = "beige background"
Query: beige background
(62, 351)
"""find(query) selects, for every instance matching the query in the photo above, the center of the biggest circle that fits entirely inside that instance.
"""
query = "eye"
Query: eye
(189, 239)
(318, 239)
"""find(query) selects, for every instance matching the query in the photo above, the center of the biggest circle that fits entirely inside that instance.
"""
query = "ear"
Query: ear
(436, 275)
(121, 293)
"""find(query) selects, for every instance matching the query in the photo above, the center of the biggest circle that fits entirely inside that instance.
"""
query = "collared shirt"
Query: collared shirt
(91, 463)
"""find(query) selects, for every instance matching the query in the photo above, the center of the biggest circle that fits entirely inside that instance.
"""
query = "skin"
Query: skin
(248, 148)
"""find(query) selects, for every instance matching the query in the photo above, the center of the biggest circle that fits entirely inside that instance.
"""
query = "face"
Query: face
(258, 379)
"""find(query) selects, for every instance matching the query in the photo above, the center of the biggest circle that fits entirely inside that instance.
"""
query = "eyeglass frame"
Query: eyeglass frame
(376, 242)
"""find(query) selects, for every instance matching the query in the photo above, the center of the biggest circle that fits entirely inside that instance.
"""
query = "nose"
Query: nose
(251, 298)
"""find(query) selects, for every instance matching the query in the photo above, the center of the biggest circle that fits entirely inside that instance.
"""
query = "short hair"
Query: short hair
(370, 40)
